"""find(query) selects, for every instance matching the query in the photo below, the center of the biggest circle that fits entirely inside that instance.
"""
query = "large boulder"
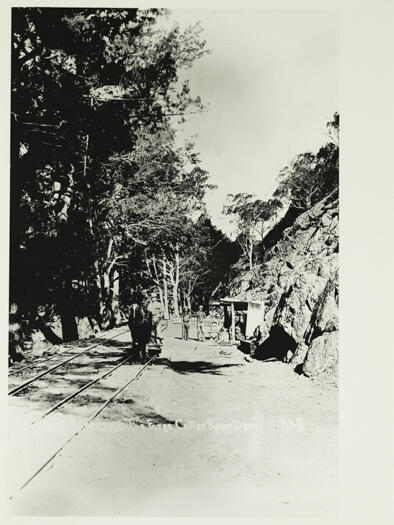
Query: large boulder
(322, 355)
(295, 307)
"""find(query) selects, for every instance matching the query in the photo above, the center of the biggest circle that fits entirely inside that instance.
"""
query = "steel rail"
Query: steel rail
(84, 426)
(24, 385)
(37, 362)
(84, 387)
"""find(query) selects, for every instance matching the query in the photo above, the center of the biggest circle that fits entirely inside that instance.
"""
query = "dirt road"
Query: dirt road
(202, 432)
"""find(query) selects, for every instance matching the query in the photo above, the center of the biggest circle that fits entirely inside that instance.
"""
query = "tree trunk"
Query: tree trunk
(165, 289)
(188, 302)
(49, 334)
(66, 309)
(161, 296)
(176, 286)
(181, 299)
(251, 254)
(115, 299)
(157, 280)
(69, 326)
(107, 273)
(165, 299)
(215, 290)
(106, 285)
(99, 287)
(175, 300)
(18, 170)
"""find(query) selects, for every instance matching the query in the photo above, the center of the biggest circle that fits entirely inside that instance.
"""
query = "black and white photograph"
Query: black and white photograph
(173, 334)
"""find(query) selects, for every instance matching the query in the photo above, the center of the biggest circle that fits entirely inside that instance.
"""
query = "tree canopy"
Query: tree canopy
(310, 177)
(97, 183)
(252, 218)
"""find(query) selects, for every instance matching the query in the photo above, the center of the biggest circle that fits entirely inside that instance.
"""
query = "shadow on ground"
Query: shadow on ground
(55, 386)
(201, 367)
(113, 343)
(144, 416)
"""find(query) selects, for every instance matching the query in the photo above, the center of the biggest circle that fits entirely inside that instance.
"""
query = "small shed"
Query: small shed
(253, 309)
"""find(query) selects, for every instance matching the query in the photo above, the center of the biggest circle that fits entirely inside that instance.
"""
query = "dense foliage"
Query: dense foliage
(99, 190)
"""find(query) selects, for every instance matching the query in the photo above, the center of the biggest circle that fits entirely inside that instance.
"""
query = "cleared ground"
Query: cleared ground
(202, 432)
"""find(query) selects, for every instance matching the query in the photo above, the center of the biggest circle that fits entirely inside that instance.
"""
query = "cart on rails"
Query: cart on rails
(155, 344)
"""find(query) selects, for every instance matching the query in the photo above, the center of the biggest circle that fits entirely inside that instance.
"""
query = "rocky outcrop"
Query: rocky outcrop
(322, 355)
(299, 283)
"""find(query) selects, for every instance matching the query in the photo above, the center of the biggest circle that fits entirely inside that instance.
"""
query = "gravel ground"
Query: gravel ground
(202, 432)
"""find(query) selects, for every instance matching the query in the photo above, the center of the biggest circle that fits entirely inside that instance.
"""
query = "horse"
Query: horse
(140, 324)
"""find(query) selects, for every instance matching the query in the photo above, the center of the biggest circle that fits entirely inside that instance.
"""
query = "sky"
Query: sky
(270, 84)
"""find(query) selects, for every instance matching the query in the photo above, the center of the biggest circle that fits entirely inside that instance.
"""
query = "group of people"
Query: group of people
(186, 319)
(146, 321)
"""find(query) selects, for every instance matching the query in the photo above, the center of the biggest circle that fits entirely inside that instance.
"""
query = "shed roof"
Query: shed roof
(240, 300)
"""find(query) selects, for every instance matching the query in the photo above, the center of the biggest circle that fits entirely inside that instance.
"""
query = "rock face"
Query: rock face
(298, 281)
(322, 356)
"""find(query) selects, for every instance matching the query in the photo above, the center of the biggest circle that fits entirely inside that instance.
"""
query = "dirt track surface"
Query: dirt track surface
(202, 432)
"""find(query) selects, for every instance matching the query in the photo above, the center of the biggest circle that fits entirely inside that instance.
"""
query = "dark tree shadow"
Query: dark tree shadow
(114, 343)
(107, 359)
(143, 416)
(157, 419)
(57, 385)
(201, 367)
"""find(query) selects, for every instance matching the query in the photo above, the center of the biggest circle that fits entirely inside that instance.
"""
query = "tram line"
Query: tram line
(90, 419)
(30, 381)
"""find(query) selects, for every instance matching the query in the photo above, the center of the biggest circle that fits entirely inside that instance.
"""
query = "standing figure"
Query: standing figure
(239, 326)
(157, 312)
(185, 323)
(140, 324)
(256, 340)
(200, 315)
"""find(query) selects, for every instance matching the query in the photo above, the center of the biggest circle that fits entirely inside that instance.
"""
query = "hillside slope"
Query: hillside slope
(298, 281)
